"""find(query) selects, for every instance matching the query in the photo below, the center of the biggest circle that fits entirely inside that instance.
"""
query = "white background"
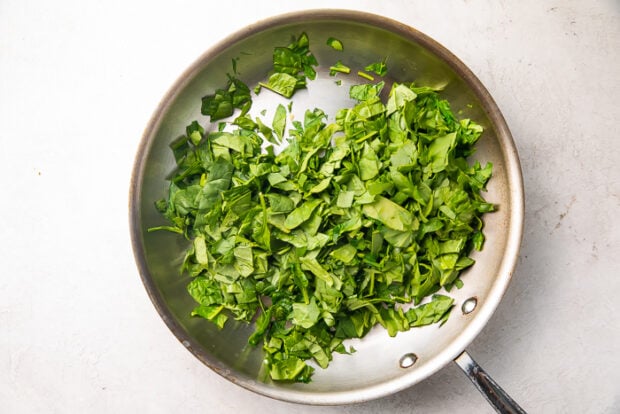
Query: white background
(78, 83)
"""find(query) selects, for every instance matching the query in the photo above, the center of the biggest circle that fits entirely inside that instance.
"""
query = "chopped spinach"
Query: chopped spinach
(380, 68)
(365, 75)
(335, 44)
(355, 223)
(339, 67)
(224, 101)
(292, 65)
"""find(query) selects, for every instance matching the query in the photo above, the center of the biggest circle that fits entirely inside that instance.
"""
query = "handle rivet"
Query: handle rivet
(408, 360)
(469, 305)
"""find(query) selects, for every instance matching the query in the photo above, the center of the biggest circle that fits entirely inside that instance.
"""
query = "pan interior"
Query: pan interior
(373, 370)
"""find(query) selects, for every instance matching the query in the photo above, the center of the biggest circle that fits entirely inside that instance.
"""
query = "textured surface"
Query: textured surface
(77, 85)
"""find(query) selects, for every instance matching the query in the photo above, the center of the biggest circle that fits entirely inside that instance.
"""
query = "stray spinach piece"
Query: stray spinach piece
(339, 67)
(335, 44)
(365, 75)
(380, 68)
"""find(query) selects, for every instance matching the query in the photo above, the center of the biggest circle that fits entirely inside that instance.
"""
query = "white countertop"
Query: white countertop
(78, 83)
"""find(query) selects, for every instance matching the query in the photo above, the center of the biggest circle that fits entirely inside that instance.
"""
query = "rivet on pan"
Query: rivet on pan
(469, 305)
(408, 360)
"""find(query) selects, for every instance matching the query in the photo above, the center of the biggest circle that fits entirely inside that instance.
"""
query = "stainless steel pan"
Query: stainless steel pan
(381, 365)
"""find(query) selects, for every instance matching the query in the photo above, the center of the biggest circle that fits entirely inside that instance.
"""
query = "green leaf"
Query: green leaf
(393, 320)
(399, 96)
(306, 315)
(339, 67)
(244, 263)
(223, 102)
(205, 291)
(390, 214)
(218, 180)
(345, 199)
(218, 105)
(262, 324)
(279, 121)
(439, 152)
(432, 312)
(369, 164)
(301, 214)
(212, 313)
(281, 83)
(345, 253)
(380, 68)
(405, 158)
(335, 44)
(279, 203)
(292, 65)
(366, 91)
(195, 132)
(200, 248)
(228, 140)
(290, 369)
(321, 186)
(312, 265)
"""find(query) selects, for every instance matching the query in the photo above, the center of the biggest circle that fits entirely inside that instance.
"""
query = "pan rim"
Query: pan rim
(515, 228)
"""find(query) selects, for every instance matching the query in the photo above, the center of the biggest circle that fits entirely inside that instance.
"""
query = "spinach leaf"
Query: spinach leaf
(339, 67)
(305, 315)
(435, 311)
(223, 102)
(292, 65)
(380, 68)
(301, 214)
(279, 121)
(366, 91)
(281, 83)
(335, 44)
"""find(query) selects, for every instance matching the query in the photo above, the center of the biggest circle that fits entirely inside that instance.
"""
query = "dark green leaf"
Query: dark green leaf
(223, 102)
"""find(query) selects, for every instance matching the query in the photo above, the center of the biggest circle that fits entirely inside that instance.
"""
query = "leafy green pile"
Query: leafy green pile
(292, 66)
(350, 222)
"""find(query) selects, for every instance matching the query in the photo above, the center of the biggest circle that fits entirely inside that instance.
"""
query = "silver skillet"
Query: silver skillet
(381, 365)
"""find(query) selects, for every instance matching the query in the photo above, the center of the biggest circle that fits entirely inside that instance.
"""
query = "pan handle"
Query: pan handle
(494, 394)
